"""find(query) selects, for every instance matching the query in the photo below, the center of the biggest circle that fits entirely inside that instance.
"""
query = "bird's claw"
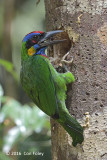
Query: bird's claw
(65, 61)
(53, 60)
(60, 65)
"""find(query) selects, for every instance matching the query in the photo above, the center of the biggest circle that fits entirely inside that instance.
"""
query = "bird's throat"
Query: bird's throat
(44, 55)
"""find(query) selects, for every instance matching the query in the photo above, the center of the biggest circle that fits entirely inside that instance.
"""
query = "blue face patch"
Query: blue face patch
(36, 46)
(41, 51)
(34, 49)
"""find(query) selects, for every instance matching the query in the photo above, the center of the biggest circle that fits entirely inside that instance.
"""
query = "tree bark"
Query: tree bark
(9, 83)
(85, 24)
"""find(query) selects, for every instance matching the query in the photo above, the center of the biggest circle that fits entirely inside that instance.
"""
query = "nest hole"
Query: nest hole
(65, 46)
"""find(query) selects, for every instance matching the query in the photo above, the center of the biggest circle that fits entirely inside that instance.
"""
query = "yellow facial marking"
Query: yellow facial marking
(31, 51)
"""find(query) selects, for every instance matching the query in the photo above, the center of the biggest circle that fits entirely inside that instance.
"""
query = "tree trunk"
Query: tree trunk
(85, 24)
(9, 83)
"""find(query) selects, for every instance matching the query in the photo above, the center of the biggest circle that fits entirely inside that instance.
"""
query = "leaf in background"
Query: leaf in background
(27, 121)
(4, 157)
(24, 115)
(1, 91)
(9, 67)
(11, 138)
(1, 94)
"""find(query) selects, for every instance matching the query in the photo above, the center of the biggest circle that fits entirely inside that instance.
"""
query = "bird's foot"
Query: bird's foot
(61, 65)
(56, 63)
(52, 60)
(65, 61)
(87, 124)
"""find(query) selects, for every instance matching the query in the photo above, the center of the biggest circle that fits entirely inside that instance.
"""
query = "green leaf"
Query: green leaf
(11, 138)
(9, 67)
(27, 121)
(23, 115)
(1, 94)
(4, 157)
(1, 91)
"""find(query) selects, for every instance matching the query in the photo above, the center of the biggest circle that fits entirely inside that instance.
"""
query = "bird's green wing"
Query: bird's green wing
(42, 88)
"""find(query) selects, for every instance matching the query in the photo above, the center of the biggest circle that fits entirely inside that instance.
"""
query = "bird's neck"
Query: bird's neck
(41, 52)
(44, 55)
(24, 52)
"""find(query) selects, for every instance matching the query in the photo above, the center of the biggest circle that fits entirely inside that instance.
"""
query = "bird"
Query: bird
(44, 85)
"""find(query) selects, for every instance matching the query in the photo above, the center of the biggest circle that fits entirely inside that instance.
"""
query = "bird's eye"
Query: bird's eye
(36, 36)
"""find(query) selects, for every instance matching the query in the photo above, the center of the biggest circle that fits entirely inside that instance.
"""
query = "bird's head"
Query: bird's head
(36, 42)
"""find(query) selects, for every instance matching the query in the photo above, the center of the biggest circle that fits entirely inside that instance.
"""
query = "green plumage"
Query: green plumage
(47, 89)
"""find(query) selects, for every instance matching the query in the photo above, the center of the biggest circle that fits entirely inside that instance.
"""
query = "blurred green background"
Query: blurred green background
(24, 129)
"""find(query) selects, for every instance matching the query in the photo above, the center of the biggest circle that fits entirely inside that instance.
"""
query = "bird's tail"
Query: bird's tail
(74, 129)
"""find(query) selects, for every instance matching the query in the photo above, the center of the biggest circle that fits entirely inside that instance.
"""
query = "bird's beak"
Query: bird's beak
(47, 38)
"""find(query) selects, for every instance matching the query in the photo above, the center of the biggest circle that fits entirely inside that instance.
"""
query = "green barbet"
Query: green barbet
(44, 85)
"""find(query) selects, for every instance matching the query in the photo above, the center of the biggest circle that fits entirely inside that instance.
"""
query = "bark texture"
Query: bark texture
(85, 24)
(8, 82)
